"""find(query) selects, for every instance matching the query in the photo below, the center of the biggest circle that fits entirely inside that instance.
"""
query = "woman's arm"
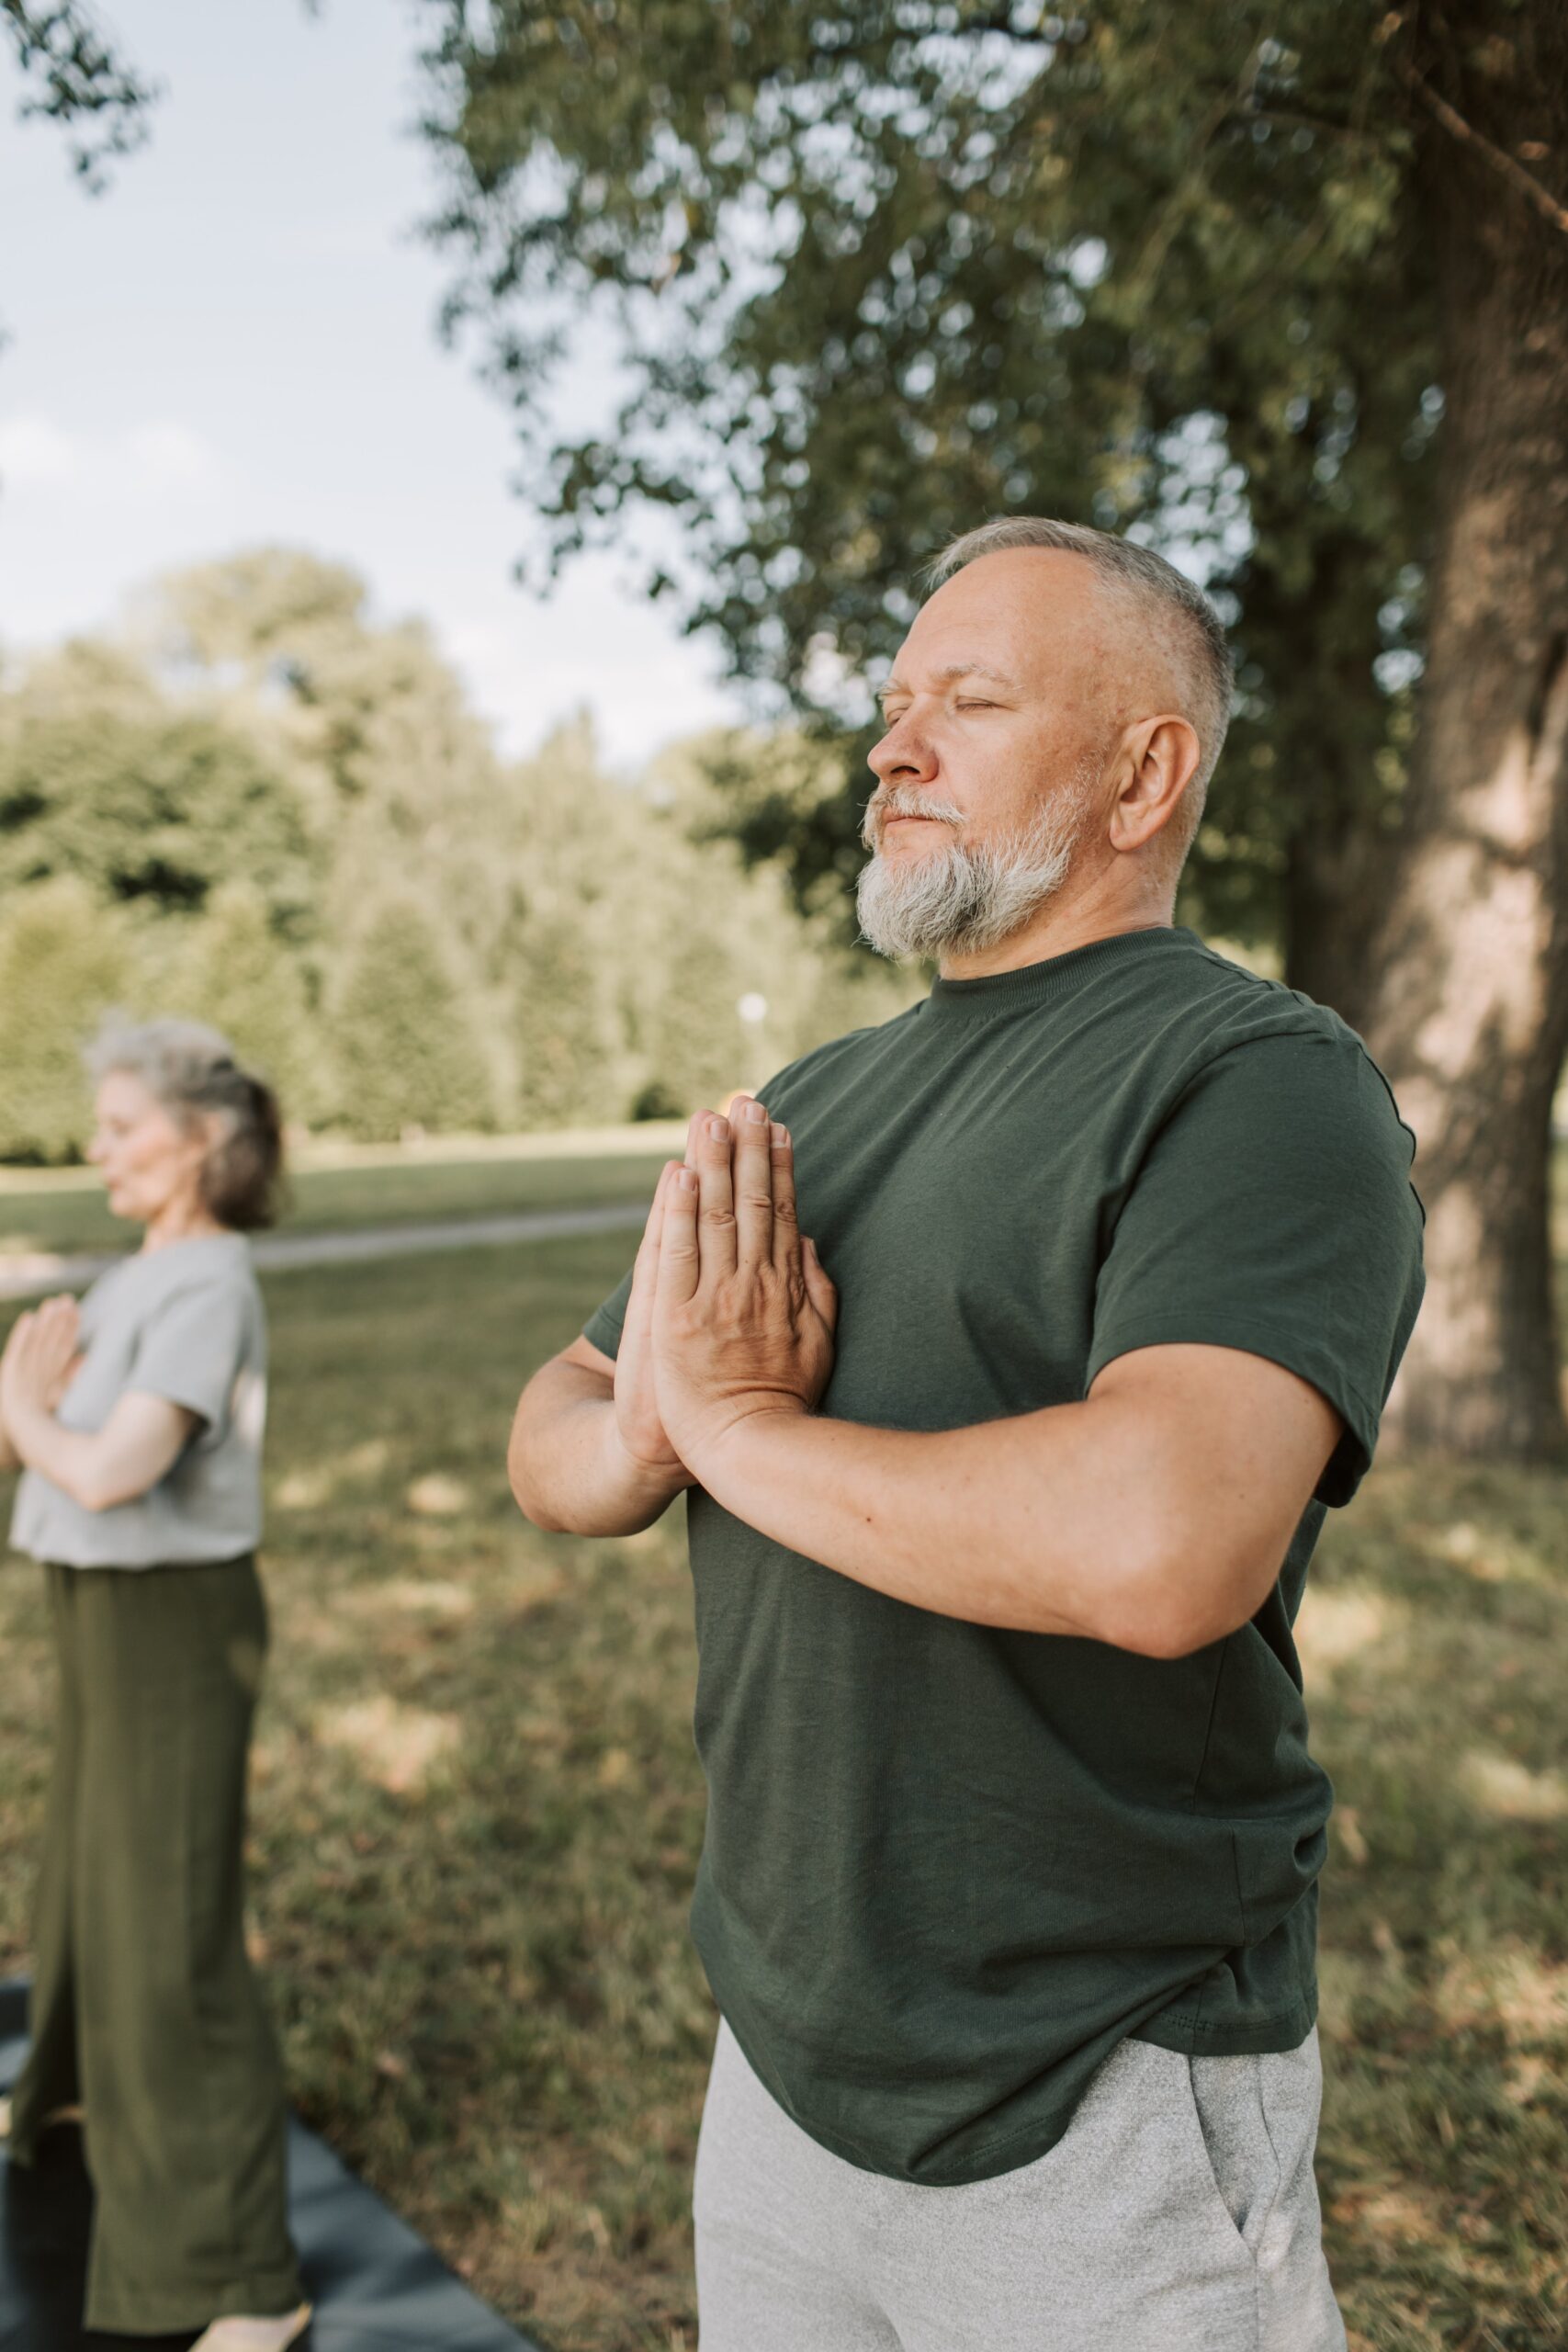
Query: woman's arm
(140, 1442)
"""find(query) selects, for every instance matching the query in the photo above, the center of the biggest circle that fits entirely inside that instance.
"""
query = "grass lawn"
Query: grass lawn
(69, 1213)
(477, 1815)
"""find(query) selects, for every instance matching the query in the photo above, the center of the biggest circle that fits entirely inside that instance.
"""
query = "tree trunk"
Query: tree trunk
(1336, 890)
(1467, 1002)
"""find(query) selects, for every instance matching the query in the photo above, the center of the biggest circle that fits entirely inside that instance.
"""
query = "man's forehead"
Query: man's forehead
(1014, 617)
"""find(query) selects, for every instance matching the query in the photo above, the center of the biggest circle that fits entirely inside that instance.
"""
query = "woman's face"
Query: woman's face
(151, 1163)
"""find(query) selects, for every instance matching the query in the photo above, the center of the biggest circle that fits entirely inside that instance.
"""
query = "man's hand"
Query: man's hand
(743, 1312)
(638, 1422)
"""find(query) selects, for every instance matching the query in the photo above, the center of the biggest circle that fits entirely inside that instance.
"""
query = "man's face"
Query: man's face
(1005, 689)
(1000, 711)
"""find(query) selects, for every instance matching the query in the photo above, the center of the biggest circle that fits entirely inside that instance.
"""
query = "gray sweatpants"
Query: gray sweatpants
(1178, 2213)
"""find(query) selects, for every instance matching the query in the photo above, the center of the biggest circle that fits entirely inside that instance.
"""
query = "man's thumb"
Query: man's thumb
(819, 1288)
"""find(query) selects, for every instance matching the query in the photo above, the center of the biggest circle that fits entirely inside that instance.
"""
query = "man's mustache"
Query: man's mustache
(900, 800)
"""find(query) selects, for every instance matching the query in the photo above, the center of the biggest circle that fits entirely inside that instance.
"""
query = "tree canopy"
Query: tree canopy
(879, 270)
(73, 74)
(1277, 286)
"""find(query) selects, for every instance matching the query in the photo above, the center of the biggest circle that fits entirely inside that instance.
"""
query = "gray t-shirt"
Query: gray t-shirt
(185, 1322)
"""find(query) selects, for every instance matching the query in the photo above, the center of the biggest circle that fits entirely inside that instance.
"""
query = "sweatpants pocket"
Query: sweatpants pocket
(1233, 2141)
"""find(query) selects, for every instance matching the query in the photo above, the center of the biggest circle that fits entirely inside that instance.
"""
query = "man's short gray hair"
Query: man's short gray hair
(1191, 632)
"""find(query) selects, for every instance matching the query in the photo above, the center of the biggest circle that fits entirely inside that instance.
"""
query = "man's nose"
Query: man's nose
(902, 756)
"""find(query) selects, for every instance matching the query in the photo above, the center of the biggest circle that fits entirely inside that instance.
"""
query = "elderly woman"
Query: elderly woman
(139, 1422)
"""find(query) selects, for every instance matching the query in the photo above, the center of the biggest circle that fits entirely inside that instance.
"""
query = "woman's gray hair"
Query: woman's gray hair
(1189, 627)
(194, 1072)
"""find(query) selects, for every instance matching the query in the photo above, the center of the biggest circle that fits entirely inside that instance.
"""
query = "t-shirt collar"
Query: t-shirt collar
(1056, 977)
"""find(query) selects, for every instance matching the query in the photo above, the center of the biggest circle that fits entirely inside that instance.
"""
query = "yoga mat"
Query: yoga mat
(376, 2287)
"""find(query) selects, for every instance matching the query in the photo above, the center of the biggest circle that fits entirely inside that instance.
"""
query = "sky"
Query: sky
(236, 344)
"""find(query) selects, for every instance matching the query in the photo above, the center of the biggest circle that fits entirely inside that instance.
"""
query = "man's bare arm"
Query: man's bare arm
(1154, 1515)
(568, 1468)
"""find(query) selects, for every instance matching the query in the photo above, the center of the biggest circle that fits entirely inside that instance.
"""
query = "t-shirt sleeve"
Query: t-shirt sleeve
(603, 1325)
(1273, 1211)
(191, 1348)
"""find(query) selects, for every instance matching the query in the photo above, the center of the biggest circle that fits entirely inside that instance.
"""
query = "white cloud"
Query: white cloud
(135, 462)
(32, 450)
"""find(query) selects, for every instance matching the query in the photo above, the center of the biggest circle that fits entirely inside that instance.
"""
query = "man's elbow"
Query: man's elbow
(521, 1459)
(1175, 1600)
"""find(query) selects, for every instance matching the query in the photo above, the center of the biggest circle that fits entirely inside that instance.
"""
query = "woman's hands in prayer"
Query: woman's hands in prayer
(40, 1357)
(732, 1308)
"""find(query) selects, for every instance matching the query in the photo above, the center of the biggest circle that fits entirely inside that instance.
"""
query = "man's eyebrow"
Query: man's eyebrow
(946, 677)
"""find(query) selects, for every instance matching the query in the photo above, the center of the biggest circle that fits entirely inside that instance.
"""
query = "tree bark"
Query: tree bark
(1467, 1000)
(1335, 889)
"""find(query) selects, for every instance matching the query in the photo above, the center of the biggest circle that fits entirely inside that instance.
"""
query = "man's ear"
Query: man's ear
(1159, 758)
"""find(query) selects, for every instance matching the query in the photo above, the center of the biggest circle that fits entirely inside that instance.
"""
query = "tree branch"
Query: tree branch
(1528, 186)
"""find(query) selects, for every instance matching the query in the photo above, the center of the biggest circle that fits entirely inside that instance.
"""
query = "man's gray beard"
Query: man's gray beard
(959, 902)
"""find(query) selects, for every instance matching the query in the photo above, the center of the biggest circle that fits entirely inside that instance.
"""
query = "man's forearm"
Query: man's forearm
(570, 1472)
(1058, 1522)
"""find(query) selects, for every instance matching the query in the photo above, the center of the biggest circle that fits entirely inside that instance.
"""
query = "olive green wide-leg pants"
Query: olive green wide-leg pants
(144, 2007)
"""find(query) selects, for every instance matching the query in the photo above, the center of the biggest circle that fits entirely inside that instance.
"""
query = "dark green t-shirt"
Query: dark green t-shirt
(948, 1868)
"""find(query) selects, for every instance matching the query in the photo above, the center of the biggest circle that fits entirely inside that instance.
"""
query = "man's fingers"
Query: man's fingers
(819, 1287)
(786, 1227)
(754, 1182)
(715, 1197)
(648, 1246)
(645, 1269)
(678, 1263)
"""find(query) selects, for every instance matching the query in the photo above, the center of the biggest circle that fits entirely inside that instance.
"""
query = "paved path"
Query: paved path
(31, 1277)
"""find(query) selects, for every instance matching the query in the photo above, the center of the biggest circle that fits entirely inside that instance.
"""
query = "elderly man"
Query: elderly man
(1002, 1491)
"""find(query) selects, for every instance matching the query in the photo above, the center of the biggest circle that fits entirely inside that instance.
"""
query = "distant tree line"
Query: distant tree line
(266, 809)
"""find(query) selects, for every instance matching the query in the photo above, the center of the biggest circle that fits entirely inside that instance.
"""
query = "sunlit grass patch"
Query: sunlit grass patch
(1444, 2157)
